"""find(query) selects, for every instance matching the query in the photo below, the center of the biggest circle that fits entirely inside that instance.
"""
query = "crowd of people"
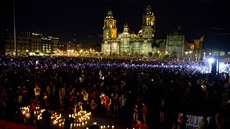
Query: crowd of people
(148, 93)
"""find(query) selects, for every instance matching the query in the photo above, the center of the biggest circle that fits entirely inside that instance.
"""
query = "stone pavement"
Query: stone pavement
(122, 122)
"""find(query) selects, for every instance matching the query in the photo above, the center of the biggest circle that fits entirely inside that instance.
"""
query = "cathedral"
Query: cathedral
(141, 44)
(126, 44)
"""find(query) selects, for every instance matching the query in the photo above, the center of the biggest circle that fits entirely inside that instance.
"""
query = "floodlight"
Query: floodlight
(211, 60)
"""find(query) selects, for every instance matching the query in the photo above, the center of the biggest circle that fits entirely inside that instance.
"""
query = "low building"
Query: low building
(28, 42)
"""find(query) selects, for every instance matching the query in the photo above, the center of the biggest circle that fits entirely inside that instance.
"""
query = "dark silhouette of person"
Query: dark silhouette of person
(46, 119)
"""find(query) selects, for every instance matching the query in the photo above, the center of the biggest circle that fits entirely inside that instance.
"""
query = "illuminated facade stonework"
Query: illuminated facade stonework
(125, 43)
(175, 44)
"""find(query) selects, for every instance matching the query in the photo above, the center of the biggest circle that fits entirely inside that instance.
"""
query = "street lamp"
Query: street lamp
(186, 55)
(204, 55)
(190, 53)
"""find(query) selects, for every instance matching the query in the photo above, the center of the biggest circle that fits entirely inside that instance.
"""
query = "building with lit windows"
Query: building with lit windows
(28, 43)
(125, 43)
(50, 44)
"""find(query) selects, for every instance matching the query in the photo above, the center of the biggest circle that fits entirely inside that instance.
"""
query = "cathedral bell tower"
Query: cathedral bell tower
(126, 28)
(109, 29)
(148, 23)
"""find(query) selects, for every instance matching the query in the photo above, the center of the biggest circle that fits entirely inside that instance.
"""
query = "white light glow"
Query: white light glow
(211, 60)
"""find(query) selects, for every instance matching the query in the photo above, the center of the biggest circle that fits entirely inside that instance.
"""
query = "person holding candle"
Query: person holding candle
(85, 99)
(107, 105)
(32, 110)
(115, 105)
(144, 112)
(62, 95)
(19, 93)
(37, 91)
(24, 95)
(135, 113)
(93, 106)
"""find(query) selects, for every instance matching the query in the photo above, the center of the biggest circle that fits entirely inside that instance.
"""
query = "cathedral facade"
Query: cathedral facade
(125, 43)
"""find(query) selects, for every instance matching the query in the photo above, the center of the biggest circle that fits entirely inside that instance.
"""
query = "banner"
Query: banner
(10, 125)
(193, 122)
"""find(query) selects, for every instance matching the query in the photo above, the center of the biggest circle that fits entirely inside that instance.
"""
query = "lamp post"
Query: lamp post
(204, 55)
(217, 62)
(190, 53)
(15, 43)
(186, 55)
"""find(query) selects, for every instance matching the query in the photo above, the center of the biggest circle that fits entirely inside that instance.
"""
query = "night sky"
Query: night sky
(83, 19)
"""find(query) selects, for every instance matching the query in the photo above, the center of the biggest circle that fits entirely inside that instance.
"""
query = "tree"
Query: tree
(166, 56)
(125, 53)
(114, 54)
(150, 54)
(174, 55)
(136, 54)
(156, 55)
